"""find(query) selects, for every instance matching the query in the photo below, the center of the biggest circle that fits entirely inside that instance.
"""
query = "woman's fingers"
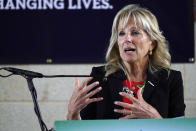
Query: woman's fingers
(123, 111)
(76, 82)
(129, 117)
(92, 93)
(130, 97)
(139, 94)
(82, 95)
(84, 83)
(95, 100)
(128, 114)
(91, 86)
(123, 104)
(139, 108)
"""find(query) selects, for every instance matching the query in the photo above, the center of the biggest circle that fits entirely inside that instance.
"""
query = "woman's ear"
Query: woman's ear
(153, 44)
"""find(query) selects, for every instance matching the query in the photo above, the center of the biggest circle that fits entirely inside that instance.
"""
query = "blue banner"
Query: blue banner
(78, 31)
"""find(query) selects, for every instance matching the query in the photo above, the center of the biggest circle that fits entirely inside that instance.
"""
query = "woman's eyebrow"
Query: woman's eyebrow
(134, 27)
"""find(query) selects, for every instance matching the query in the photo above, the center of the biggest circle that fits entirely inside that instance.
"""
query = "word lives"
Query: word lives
(94, 4)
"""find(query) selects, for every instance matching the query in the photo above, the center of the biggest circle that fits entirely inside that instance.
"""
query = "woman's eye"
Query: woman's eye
(135, 33)
(121, 33)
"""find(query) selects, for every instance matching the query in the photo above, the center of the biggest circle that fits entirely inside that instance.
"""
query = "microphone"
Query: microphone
(23, 72)
(32, 74)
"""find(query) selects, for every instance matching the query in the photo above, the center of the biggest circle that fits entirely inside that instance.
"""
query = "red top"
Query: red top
(131, 87)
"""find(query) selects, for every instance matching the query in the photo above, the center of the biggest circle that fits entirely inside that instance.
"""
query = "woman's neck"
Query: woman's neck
(137, 70)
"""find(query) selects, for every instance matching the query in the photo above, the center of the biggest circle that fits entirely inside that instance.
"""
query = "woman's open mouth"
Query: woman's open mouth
(129, 50)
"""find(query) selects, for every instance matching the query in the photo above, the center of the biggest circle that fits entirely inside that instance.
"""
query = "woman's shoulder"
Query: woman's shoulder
(99, 68)
(98, 71)
(174, 74)
(170, 74)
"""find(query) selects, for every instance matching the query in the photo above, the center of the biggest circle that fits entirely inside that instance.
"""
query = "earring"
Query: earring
(150, 52)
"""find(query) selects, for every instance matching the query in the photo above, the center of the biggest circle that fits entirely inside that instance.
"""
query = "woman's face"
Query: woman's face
(134, 43)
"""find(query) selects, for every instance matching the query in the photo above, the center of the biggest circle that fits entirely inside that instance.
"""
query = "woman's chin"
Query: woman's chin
(129, 61)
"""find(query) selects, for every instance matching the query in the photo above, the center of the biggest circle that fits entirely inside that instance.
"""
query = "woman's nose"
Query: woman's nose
(128, 37)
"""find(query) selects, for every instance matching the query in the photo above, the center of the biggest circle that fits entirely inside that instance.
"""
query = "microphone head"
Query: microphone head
(23, 72)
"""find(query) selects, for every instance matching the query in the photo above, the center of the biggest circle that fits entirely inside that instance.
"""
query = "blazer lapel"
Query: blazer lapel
(151, 83)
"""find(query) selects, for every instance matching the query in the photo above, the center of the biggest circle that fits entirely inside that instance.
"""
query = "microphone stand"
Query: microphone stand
(33, 91)
(36, 105)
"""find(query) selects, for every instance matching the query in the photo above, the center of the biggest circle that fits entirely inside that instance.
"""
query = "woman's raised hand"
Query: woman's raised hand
(81, 97)
(140, 109)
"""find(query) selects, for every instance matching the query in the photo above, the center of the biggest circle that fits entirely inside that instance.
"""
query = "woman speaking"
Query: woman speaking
(136, 81)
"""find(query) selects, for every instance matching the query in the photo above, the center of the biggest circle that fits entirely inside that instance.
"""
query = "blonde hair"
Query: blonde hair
(160, 58)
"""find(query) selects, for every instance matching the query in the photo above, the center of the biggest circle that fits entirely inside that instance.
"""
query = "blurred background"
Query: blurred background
(16, 106)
